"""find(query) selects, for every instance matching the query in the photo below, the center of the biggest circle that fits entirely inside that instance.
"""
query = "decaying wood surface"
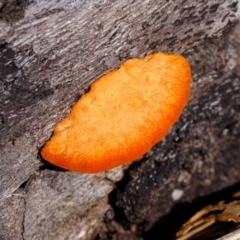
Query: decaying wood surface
(50, 52)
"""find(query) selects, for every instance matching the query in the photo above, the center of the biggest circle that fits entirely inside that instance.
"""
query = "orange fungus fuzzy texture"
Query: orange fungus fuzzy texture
(124, 114)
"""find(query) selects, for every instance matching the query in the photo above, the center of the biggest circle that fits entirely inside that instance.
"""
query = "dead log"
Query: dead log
(50, 53)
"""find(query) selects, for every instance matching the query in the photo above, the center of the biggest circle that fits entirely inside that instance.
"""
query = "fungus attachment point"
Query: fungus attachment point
(123, 115)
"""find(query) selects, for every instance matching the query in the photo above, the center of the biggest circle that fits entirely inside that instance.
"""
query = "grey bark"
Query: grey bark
(50, 54)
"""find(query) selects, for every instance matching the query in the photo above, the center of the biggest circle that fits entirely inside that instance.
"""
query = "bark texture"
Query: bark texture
(50, 53)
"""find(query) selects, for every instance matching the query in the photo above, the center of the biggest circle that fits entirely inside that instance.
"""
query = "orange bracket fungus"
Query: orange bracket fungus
(124, 114)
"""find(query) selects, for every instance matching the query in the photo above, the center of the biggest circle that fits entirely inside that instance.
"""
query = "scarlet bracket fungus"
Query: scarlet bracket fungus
(125, 113)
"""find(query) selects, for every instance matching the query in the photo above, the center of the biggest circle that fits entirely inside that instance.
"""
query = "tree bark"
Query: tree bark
(51, 52)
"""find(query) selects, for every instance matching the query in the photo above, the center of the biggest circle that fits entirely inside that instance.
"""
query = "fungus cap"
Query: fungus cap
(124, 114)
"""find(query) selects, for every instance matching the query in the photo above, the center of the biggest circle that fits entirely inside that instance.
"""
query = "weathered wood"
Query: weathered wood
(50, 53)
